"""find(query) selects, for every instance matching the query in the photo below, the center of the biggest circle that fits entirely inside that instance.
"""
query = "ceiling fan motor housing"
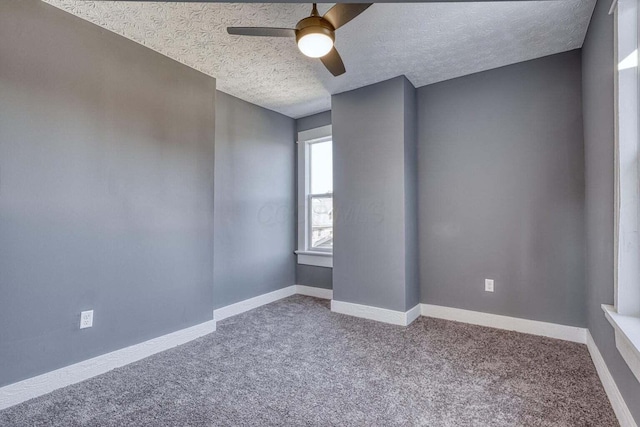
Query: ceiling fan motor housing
(314, 25)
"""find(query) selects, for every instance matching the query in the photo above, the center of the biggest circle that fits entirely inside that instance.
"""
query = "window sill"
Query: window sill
(627, 331)
(318, 259)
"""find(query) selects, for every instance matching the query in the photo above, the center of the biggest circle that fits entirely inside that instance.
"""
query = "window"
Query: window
(315, 197)
(320, 224)
(625, 314)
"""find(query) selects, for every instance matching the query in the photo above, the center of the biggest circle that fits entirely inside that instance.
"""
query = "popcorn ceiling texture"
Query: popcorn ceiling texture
(295, 363)
(427, 42)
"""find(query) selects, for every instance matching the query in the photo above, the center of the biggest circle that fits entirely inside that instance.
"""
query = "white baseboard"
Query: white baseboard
(617, 402)
(414, 313)
(394, 317)
(314, 292)
(251, 303)
(30, 388)
(21, 391)
(260, 300)
(534, 327)
(33, 387)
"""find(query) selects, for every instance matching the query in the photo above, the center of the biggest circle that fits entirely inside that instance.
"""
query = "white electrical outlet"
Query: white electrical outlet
(86, 319)
(488, 285)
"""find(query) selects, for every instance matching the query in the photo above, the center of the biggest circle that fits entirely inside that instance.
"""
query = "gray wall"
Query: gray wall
(106, 191)
(310, 275)
(254, 201)
(313, 121)
(598, 109)
(412, 260)
(501, 191)
(369, 141)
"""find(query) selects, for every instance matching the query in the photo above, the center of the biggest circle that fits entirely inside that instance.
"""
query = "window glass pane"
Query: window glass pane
(322, 223)
(321, 167)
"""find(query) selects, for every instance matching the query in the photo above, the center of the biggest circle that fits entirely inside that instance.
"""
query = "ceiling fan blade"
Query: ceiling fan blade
(262, 31)
(333, 62)
(342, 13)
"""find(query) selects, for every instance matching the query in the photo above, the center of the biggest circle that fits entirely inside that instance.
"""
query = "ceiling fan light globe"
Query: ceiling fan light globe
(315, 45)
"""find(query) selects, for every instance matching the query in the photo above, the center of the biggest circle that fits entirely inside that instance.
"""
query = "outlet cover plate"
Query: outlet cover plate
(86, 319)
(488, 285)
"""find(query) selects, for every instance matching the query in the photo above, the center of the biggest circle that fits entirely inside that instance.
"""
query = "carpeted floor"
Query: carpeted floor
(294, 362)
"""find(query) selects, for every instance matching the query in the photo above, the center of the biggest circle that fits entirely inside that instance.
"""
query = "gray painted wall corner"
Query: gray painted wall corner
(598, 67)
(313, 121)
(412, 261)
(369, 264)
(254, 201)
(501, 184)
(310, 275)
(106, 196)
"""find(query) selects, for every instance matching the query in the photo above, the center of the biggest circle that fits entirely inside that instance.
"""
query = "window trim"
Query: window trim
(624, 316)
(319, 258)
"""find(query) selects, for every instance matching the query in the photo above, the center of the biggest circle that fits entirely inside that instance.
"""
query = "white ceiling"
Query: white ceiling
(427, 42)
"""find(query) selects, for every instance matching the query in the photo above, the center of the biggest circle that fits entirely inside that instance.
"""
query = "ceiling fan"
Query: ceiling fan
(314, 34)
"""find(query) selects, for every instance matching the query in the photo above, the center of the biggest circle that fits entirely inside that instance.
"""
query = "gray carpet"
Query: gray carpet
(294, 362)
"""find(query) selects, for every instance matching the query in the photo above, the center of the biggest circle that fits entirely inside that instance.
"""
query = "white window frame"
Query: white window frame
(305, 255)
(624, 315)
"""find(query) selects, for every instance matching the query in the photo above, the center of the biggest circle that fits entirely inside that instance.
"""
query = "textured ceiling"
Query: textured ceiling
(427, 42)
